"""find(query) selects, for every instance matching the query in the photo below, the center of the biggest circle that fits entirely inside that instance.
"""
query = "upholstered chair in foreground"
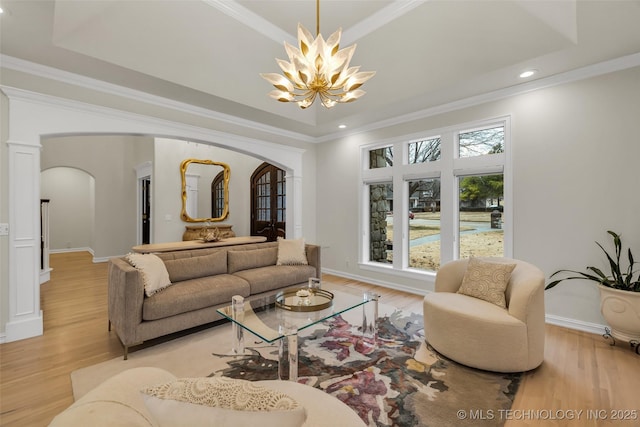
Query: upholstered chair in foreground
(488, 313)
(153, 397)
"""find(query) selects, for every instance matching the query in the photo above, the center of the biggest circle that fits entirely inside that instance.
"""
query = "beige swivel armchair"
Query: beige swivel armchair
(481, 334)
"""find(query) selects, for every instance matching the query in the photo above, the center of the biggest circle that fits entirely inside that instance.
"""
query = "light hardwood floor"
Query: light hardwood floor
(581, 372)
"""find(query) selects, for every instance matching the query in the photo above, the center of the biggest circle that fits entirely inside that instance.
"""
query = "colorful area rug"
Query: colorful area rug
(399, 382)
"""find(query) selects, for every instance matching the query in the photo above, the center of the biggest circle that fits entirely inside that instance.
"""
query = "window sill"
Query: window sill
(410, 273)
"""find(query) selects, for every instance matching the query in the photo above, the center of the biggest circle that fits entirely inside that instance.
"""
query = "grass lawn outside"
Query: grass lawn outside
(427, 256)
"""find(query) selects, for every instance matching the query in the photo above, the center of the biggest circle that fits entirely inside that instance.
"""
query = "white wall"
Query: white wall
(111, 160)
(167, 186)
(71, 208)
(575, 162)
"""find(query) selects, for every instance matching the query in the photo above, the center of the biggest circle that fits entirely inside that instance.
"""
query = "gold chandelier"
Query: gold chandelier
(318, 68)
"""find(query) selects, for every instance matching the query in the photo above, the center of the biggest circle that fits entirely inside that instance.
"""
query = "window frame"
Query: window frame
(449, 168)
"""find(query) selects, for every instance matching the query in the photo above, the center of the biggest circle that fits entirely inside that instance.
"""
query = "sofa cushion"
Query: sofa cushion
(154, 273)
(276, 276)
(195, 267)
(218, 401)
(291, 252)
(487, 281)
(194, 294)
(253, 258)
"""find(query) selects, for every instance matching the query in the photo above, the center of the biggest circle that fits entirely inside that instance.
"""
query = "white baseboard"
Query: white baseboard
(90, 250)
(3, 338)
(552, 319)
(579, 325)
(382, 283)
(24, 328)
(45, 275)
(67, 250)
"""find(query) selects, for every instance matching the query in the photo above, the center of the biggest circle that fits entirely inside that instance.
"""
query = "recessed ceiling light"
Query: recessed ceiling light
(342, 126)
(527, 73)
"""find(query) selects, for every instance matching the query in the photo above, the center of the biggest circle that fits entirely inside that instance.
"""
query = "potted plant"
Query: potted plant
(619, 292)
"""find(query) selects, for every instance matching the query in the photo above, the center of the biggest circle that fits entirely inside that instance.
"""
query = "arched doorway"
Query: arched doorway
(32, 116)
(268, 202)
(71, 192)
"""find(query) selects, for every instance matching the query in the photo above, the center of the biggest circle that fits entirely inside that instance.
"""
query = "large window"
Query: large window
(432, 198)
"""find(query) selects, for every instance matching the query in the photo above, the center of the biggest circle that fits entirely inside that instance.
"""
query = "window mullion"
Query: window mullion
(400, 219)
(448, 201)
(401, 206)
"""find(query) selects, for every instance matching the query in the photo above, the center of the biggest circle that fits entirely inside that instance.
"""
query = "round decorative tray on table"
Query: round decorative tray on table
(304, 300)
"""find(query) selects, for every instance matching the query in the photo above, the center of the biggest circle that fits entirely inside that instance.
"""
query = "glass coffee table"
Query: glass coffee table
(281, 315)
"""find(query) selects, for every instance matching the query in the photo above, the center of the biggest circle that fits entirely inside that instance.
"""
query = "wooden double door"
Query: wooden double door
(268, 202)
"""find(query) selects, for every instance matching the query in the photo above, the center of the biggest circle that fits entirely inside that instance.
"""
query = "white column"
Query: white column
(294, 206)
(45, 272)
(25, 316)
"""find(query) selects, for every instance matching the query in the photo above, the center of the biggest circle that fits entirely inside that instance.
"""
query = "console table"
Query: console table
(196, 244)
(193, 232)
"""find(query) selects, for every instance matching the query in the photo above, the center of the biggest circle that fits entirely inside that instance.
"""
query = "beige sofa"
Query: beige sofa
(202, 280)
(481, 334)
(119, 402)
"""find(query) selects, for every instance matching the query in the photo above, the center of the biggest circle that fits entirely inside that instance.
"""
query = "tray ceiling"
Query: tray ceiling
(209, 53)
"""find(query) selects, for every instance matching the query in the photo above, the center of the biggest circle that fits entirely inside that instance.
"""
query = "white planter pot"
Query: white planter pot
(621, 310)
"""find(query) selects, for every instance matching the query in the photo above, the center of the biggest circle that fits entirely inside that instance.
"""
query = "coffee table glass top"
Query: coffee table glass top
(264, 319)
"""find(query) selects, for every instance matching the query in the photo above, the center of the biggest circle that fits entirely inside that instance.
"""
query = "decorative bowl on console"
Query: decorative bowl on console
(210, 235)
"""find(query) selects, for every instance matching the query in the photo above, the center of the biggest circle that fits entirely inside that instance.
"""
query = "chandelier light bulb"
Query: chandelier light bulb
(317, 69)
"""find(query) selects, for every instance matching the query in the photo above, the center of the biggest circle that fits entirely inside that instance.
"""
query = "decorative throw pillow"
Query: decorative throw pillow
(487, 281)
(291, 252)
(221, 401)
(154, 273)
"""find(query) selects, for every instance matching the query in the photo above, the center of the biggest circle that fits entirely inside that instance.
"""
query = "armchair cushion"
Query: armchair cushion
(487, 281)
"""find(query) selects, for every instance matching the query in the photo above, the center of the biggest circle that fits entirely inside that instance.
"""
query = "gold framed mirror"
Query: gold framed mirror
(205, 190)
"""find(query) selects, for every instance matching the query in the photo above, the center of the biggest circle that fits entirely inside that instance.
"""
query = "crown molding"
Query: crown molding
(594, 70)
(379, 19)
(191, 132)
(589, 71)
(62, 76)
(235, 10)
(252, 20)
